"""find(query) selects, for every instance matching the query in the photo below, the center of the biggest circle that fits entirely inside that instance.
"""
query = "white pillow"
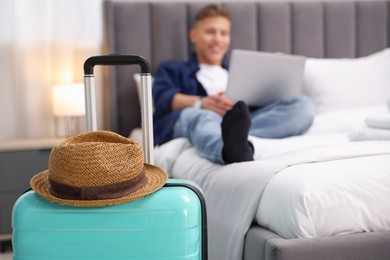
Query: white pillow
(342, 83)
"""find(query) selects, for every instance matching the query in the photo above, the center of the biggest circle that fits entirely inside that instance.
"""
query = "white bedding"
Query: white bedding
(318, 184)
(328, 198)
(340, 197)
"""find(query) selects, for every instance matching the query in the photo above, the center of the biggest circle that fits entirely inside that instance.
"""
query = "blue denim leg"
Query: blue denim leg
(283, 118)
(203, 129)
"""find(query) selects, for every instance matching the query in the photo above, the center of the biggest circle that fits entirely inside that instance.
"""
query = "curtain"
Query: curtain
(42, 43)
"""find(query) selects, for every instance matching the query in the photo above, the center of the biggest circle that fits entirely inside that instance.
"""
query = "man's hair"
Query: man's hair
(213, 10)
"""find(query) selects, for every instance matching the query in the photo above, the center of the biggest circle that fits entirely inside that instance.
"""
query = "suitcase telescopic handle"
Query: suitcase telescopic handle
(146, 95)
(116, 59)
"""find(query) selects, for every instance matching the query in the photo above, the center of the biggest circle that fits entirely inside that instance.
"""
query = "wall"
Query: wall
(39, 41)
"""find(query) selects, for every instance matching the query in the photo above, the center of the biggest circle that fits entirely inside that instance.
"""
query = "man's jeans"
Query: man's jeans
(283, 118)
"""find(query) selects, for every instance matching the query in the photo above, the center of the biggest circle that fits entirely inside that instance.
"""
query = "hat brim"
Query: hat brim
(155, 175)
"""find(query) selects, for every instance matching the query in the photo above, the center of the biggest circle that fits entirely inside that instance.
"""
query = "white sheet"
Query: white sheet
(235, 190)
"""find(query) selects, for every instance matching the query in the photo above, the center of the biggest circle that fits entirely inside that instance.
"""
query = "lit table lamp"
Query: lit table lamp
(69, 108)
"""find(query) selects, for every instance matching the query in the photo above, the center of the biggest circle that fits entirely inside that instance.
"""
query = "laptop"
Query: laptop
(259, 78)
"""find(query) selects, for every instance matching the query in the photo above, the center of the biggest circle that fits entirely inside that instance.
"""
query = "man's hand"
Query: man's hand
(218, 103)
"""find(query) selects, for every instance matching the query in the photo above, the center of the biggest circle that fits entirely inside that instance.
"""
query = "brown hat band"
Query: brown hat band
(103, 192)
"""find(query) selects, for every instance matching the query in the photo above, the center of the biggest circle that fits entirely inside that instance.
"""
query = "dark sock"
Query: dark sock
(235, 130)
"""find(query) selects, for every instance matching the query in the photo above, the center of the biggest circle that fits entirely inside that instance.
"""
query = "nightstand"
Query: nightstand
(19, 160)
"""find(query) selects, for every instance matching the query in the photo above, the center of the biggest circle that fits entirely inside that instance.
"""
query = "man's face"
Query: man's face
(211, 37)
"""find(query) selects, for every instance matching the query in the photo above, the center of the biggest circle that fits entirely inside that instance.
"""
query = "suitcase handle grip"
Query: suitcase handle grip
(115, 59)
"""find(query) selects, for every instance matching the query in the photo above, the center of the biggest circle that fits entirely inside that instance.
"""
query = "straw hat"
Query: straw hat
(96, 169)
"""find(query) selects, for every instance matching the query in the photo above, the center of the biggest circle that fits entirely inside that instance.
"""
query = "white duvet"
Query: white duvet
(334, 197)
(318, 184)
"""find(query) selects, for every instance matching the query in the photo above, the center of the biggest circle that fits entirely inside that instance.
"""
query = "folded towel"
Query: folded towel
(368, 133)
(381, 120)
(388, 104)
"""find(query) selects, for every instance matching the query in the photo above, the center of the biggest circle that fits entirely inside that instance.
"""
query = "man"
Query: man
(190, 102)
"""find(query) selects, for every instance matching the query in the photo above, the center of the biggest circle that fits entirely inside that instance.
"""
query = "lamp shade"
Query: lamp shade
(68, 100)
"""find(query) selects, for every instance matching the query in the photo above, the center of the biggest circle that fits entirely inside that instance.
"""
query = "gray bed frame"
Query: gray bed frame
(334, 29)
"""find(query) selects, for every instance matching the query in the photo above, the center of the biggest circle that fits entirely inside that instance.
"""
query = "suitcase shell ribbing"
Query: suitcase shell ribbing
(164, 225)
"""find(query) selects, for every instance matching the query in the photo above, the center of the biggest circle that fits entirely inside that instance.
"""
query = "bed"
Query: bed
(316, 196)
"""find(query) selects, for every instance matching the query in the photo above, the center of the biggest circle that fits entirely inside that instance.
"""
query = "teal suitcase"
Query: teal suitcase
(170, 223)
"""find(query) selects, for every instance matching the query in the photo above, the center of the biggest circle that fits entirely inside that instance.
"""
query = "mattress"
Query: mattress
(340, 197)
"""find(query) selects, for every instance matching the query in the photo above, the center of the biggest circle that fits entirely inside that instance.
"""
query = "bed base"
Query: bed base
(262, 244)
